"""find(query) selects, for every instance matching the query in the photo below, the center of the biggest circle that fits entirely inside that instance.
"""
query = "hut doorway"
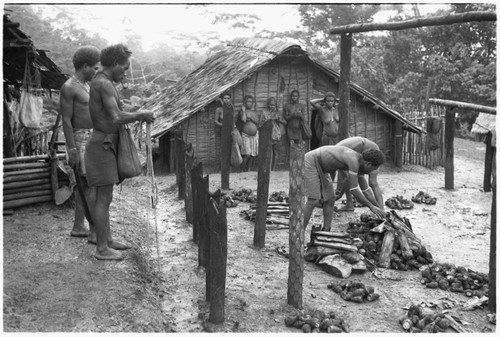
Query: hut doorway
(167, 153)
(315, 139)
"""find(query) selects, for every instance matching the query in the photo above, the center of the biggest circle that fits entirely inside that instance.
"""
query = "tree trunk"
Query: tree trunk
(449, 134)
(398, 144)
(488, 159)
(226, 142)
(344, 85)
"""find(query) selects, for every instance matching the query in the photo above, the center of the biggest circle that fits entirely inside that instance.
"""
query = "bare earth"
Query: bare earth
(52, 282)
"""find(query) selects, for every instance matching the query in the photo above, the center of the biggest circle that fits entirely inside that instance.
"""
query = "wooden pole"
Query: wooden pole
(25, 159)
(26, 201)
(488, 160)
(203, 244)
(25, 172)
(218, 259)
(449, 134)
(188, 201)
(492, 295)
(463, 105)
(34, 182)
(196, 174)
(416, 23)
(26, 177)
(263, 175)
(23, 195)
(29, 188)
(225, 145)
(25, 166)
(398, 144)
(180, 148)
(344, 84)
(296, 231)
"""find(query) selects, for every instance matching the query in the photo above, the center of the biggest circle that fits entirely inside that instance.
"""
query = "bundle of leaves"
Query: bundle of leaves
(245, 195)
(447, 276)
(278, 196)
(416, 320)
(423, 198)
(354, 291)
(317, 321)
(398, 202)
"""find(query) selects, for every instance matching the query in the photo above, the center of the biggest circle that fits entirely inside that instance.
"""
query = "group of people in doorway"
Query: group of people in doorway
(353, 157)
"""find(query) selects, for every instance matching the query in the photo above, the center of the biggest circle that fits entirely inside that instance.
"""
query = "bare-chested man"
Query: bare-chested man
(77, 126)
(249, 134)
(360, 144)
(294, 113)
(100, 155)
(318, 184)
(327, 125)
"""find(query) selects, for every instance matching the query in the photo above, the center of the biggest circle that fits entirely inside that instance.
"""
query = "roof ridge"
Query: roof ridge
(241, 45)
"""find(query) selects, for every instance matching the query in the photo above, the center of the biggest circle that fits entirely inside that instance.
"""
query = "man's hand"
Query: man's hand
(74, 158)
(148, 116)
(378, 212)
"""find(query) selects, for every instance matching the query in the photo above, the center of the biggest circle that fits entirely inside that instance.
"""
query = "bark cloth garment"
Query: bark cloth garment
(318, 185)
(81, 136)
(100, 159)
(250, 145)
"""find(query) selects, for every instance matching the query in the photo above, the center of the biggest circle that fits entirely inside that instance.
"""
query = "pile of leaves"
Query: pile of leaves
(423, 198)
(245, 195)
(317, 321)
(398, 202)
(354, 291)
(446, 276)
(279, 196)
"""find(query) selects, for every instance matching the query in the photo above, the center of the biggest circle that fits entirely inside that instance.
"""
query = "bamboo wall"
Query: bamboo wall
(415, 150)
(278, 79)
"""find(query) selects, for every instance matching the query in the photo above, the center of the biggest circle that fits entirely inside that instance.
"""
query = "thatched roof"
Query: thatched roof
(484, 123)
(227, 68)
(16, 47)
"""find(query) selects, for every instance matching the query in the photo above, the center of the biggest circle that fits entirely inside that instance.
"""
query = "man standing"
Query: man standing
(100, 155)
(327, 121)
(77, 125)
(319, 185)
(360, 144)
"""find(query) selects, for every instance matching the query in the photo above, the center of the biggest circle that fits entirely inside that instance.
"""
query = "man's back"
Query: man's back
(358, 144)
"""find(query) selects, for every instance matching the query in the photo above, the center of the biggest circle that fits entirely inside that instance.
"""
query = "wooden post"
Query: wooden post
(492, 296)
(225, 145)
(386, 250)
(344, 84)
(218, 259)
(203, 244)
(449, 134)
(180, 148)
(188, 201)
(263, 175)
(196, 174)
(296, 232)
(398, 144)
(488, 159)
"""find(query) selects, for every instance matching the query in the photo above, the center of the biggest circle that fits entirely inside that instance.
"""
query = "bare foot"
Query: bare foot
(118, 245)
(92, 238)
(79, 232)
(109, 254)
(346, 209)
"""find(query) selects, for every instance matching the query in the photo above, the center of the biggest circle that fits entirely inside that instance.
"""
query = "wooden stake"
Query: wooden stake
(386, 251)
(449, 134)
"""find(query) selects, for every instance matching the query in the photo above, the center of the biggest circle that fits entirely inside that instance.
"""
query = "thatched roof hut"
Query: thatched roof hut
(484, 123)
(262, 68)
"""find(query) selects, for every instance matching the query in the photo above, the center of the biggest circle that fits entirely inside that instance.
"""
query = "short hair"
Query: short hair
(226, 94)
(375, 157)
(247, 97)
(330, 94)
(115, 54)
(295, 90)
(269, 100)
(88, 55)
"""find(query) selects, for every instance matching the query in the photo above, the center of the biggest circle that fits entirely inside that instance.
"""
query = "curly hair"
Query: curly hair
(269, 100)
(226, 94)
(375, 157)
(88, 55)
(116, 54)
(294, 91)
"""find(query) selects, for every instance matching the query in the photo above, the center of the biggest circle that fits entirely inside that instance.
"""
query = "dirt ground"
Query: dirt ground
(52, 282)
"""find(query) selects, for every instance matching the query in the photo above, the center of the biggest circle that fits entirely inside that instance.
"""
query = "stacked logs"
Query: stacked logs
(27, 180)
(354, 291)
(390, 242)
(278, 215)
(317, 321)
(447, 276)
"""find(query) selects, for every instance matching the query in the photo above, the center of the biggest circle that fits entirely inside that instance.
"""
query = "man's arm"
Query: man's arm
(66, 105)
(218, 117)
(373, 182)
(119, 116)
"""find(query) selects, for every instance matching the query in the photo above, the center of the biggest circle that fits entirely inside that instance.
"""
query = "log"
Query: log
(386, 250)
(263, 175)
(344, 85)
(405, 246)
(24, 195)
(332, 239)
(23, 159)
(359, 267)
(467, 106)
(454, 324)
(25, 183)
(26, 201)
(336, 266)
(24, 172)
(27, 189)
(26, 177)
(315, 252)
(332, 234)
(341, 246)
(25, 166)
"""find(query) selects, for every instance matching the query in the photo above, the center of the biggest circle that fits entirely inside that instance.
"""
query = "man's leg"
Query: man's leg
(309, 208)
(328, 207)
(90, 194)
(100, 216)
(79, 229)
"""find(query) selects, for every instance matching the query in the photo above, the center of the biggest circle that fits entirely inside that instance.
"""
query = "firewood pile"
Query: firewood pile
(317, 321)
(447, 276)
(278, 215)
(354, 291)
(418, 319)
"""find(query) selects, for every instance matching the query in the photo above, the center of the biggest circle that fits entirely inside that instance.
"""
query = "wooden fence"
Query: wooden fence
(416, 148)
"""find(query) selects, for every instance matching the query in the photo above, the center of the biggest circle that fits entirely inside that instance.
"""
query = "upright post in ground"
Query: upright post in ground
(398, 144)
(181, 165)
(344, 84)
(218, 258)
(492, 296)
(488, 160)
(188, 201)
(225, 145)
(296, 232)
(265, 153)
(449, 134)
(196, 176)
(203, 245)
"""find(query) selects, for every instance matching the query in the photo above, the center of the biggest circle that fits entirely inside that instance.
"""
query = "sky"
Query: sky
(163, 22)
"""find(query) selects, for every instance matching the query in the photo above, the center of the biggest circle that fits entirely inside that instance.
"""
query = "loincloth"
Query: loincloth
(250, 145)
(81, 136)
(318, 185)
(100, 159)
